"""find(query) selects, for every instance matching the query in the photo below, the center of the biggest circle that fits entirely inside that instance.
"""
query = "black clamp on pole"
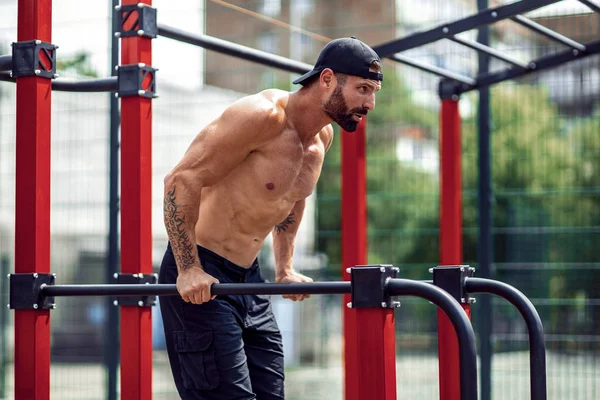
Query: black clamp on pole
(368, 285)
(135, 279)
(136, 20)
(26, 291)
(34, 58)
(452, 279)
(449, 89)
(136, 80)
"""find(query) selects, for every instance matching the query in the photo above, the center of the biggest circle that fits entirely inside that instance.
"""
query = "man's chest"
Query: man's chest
(290, 172)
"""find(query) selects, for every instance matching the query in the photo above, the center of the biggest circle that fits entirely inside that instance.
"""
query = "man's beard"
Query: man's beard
(337, 109)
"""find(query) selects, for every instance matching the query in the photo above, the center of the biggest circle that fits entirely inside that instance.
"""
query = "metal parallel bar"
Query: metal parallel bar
(541, 29)
(432, 69)
(484, 17)
(537, 347)
(85, 85)
(590, 5)
(460, 321)
(6, 63)
(216, 289)
(539, 64)
(75, 85)
(235, 50)
(489, 51)
(5, 77)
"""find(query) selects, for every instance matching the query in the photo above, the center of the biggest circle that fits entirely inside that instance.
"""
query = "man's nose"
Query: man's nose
(369, 104)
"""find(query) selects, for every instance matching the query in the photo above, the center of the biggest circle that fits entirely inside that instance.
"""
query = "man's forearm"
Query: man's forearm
(283, 250)
(284, 239)
(180, 225)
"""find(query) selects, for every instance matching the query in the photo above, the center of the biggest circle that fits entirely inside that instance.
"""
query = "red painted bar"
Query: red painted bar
(32, 210)
(376, 353)
(136, 223)
(369, 338)
(450, 241)
(354, 242)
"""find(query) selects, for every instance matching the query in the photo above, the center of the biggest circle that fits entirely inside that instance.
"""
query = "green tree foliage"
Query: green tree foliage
(78, 64)
(546, 187)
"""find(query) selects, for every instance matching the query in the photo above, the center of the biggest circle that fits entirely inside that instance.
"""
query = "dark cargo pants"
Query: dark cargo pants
(228, 348)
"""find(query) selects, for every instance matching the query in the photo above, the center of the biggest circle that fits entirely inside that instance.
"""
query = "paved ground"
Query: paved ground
(569, 378)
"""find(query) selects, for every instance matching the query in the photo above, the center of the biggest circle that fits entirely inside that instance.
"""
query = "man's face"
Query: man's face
(351, 100)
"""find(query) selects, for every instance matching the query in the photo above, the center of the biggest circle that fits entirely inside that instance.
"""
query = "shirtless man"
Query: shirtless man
(246, 175)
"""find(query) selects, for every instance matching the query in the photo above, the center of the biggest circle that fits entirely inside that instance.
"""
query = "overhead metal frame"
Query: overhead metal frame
(489, 16)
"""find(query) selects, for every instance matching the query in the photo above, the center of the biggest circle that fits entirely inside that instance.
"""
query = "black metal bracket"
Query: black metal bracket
(368, 286)
(136, 20)
(34, 58)
(135, 279)
(136, 80)
(26, 291)
(452, 279)
(450, 89)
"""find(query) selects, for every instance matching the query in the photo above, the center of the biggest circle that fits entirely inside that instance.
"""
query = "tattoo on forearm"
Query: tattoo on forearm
(183, 248)
(283, 225)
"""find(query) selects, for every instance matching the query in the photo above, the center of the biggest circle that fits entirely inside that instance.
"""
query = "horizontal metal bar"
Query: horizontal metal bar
(432, 69)
(85, 85)
(6, 63)
(216, 289)
(590, 5)
(537, 347)
(541, 29)
(484, 17)
(537, 65)
(5, 76)
(489, 51)
(235, 50)
(76, 85)
(460, 321)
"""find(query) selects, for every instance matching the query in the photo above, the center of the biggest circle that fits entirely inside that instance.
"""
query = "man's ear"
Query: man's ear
(326, 77)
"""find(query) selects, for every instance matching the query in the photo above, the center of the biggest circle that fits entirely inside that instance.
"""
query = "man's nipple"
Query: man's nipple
(270, 186)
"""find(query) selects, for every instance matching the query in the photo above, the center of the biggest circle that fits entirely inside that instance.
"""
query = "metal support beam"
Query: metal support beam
(542, 30)
(539, 64)
(433, 69)
(75, 85)
(590, 5)
(484, 17)
(85, 85)
(537, 347)
(485, 207)
(235, 50)
(6, 63)
(489, 51)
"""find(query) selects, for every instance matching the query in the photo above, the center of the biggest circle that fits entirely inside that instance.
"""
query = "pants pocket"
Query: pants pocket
(197, 359)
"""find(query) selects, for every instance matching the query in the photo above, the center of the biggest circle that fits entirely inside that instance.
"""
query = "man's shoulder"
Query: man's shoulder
(263, 111)
(266, 107)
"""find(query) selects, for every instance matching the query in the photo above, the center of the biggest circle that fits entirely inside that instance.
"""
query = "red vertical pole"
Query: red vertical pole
(369, 337)
(136, 227)
(450, 240)
(32, 206)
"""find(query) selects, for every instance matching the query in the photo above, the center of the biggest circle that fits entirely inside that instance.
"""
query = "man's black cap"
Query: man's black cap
(347, 56)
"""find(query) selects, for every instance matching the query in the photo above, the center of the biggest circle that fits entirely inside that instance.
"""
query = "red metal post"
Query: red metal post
(450, 240)
(32, 206)
(369, 337)
(136, 218)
